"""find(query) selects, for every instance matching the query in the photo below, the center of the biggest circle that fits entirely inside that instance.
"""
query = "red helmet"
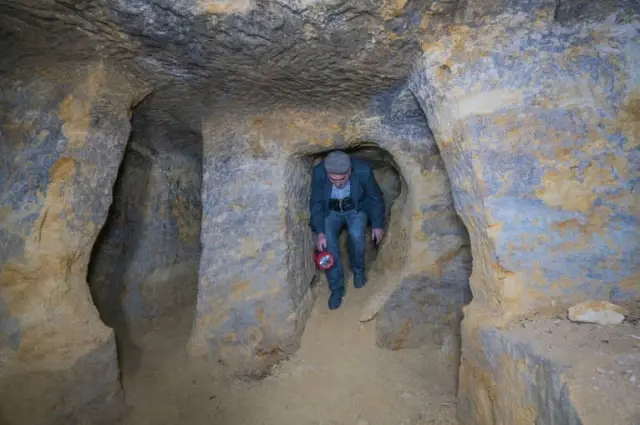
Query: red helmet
(324, 260)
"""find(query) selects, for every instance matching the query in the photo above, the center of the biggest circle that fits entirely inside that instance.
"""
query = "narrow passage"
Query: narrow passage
(339, 376)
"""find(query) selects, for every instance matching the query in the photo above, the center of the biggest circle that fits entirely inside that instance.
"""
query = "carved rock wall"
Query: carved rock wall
(537, 125)
(533, 105)
(256, 265)
(423, 298)
(63, 131)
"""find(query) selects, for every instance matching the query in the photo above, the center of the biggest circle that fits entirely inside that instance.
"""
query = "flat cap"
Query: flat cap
(337, 162)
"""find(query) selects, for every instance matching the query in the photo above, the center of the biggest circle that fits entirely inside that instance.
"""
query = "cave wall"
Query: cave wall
(255, 237)
(144, 266)
(534, 107)
(215, 63)
(541, 157)
(425, 302)
(63, 130)
(428, 283)
(537, 123)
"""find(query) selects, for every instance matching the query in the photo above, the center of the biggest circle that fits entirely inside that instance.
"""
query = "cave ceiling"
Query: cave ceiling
(191, 54)
(293, 49)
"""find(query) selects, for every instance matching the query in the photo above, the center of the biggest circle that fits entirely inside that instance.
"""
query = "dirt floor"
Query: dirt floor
(337, 377)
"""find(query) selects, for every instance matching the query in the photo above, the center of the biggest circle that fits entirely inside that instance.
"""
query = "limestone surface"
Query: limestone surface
(548, 370)
(425, 302)
(283, 49)
(62, 135)
(541, 154)
(600, 312)
(254, 290)
(512, 125)
(536, 120)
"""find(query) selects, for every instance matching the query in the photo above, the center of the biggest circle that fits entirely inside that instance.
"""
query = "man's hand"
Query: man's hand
(376, 235)
(321, 242)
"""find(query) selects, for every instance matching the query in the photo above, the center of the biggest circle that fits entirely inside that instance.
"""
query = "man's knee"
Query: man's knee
(333, 226)
(357, 227)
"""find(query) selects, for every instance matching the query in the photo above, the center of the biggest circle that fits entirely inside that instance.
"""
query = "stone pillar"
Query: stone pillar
(256, 264)
(62, 135)
(425, 301)
(425, 261)
(537, 125)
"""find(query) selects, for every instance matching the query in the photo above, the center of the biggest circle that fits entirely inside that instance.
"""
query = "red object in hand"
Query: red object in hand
(324, 260)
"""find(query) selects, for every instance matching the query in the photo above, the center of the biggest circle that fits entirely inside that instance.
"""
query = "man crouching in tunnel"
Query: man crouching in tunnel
(344, 192)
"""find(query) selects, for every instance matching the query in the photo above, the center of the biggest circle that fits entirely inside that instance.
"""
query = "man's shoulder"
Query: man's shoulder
(360, 165)
(318, 169)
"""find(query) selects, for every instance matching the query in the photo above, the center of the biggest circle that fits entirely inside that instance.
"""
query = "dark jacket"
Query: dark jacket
(365, 192)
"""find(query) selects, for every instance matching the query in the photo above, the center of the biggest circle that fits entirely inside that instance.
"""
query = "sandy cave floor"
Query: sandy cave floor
(339, 376)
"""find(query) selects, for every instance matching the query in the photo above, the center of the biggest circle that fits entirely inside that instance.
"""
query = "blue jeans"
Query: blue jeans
(356, 223)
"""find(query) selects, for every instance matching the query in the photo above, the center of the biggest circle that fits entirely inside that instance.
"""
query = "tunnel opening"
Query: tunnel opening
(305, 279)
(391, 253)
(144, 264)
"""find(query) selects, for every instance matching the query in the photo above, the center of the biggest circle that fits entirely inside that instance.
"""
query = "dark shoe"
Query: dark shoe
(335, 300)
(359, 280)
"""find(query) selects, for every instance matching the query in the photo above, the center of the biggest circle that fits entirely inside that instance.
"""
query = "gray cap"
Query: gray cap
(337, 162)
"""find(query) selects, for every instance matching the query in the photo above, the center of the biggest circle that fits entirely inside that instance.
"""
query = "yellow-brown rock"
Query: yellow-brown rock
(252, 306)
(506, 131)
(61, 149)
(532, 114)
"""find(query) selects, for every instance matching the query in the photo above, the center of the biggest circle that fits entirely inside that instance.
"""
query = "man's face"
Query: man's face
(339, 179)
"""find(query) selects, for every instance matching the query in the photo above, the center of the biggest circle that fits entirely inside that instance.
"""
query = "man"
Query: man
(344, 192)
